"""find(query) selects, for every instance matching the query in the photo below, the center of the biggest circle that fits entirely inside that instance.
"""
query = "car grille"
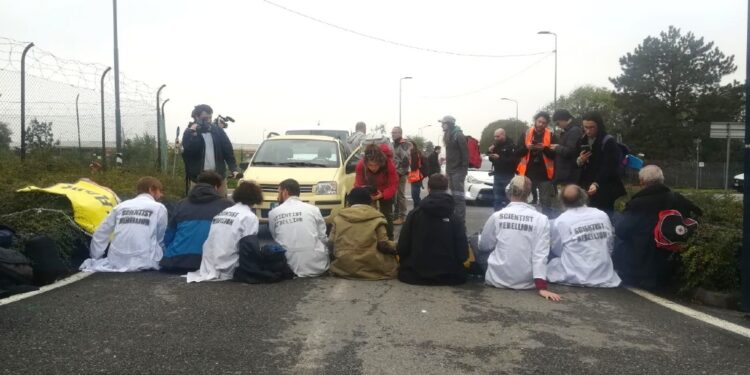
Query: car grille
(271, 188)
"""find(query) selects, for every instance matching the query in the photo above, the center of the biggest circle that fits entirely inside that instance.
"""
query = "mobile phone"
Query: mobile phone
(586, 148)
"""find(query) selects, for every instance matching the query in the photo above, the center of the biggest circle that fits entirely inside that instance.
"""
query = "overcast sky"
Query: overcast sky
(271, 69)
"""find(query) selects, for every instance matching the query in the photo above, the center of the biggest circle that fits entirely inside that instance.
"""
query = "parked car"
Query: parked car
(478, 184)
(322, 165)
(739, 182)
(341, 135)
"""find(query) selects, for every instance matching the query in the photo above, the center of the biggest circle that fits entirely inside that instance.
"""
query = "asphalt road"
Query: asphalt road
(153, 323)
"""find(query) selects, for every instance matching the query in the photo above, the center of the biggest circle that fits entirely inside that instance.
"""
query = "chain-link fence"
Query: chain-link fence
(63, 108)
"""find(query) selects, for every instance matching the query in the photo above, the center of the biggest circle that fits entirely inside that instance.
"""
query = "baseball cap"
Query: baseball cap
(448, 120)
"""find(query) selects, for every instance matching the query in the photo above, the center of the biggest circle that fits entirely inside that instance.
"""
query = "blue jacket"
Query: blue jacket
(188, 228)
(194, 148)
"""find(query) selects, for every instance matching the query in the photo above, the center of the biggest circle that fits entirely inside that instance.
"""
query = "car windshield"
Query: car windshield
(297, 153)
(340, 134)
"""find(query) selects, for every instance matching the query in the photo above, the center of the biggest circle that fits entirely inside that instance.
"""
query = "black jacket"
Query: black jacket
(432, 244)
(566, 169)
(433, 164)
(508, 161)
(261, 265)
(636, 258)
(602, 168)
(193, 152)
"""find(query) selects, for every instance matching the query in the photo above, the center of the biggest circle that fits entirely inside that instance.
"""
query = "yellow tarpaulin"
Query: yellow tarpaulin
(91, 202)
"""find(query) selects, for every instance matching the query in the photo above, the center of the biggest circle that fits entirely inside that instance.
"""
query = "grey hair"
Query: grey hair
(581, 198)
(519, 187)
(651, 175)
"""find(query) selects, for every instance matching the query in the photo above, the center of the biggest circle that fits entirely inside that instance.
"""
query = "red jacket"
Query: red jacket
(385, 180)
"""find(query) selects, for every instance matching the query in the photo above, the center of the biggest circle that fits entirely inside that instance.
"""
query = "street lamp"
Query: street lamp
(554, 105)
(511, 100)
(420, 129)
(399, 99)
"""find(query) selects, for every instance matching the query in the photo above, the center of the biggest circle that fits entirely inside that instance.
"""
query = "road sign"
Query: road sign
(732, 130)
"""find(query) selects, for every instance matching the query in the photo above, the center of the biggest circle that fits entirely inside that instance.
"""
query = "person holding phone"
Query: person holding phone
(538, 161)
(598, 160)
(377, 171)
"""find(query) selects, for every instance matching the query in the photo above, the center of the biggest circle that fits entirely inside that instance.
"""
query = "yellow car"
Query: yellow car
(322, 165)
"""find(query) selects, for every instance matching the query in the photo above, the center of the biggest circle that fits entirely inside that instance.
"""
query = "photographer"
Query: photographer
(206, 147)
(504, 160)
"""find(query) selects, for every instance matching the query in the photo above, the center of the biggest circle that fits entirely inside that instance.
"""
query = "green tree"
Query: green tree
(419, 140)
(5, 137)
(661, 86)
(591, 98)
(140, 151)
(39, 137)
(513, 129)
(379, 129)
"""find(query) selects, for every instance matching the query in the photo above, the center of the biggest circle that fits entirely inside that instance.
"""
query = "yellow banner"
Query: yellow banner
(91, 202)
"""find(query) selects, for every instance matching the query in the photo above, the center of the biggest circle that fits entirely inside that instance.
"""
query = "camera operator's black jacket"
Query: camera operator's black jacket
(194, 147)
(508, 161)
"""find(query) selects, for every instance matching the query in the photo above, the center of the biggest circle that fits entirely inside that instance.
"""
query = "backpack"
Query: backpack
(475, 156)
(623, 154)
(672, 230)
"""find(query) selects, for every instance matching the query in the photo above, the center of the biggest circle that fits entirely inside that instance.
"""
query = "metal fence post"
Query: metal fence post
(23, 101)
(78, 124)
(163, 139)
(158, 127)
(104, 149)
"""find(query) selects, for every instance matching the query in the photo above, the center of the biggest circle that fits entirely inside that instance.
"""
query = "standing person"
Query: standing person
(132, 235)
(356, 138)
(299, 228)
(582, 242)
(433, 246)
(190, 223)
(504, 160)
(401, 156)
(566, 151)
(232, 231)
(517, 238)
(360, 241)
(456, 162)
(206, 147)
(433, 161)
(377, 172)
(415, 165)
(599, 159)
(537, 160)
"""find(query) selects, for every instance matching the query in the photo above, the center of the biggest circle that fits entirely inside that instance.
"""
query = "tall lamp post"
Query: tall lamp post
(158, 126)
(399, 99)
(420, 129)
(511, 100)
(554, 105)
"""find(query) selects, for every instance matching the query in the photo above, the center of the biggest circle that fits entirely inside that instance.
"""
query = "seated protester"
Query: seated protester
(636, 258)
(133, 230)
(300, 228)
(360, 241)
(582, 241)
(189, 224)
(518, 238)
(233, 230)
(432, 244)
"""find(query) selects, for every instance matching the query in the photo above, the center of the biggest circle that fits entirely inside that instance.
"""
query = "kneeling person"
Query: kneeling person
(136, 228)
(432, 243)
(518, 238)
(360, 241)
(232, 230)
(582, 241)
(300, 228)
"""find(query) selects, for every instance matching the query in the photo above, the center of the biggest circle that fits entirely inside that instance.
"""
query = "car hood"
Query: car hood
(274, 175)
(481, 176)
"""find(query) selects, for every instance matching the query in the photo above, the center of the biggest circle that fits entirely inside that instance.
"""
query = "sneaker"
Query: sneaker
(399, 221)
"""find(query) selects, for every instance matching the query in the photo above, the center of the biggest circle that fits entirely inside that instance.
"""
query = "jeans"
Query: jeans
(498, 189)
(547, 194)
(456, 184)
(386, 208)
(416, 190)
(400, 209)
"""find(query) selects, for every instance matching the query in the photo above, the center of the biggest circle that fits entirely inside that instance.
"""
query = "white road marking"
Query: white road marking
(705, 318)
(46, 288)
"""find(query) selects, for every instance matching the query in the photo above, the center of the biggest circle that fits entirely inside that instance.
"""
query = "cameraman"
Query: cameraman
(504, 160)
(206, 147)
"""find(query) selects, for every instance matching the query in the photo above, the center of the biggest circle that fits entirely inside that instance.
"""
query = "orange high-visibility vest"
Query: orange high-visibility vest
(549, 164)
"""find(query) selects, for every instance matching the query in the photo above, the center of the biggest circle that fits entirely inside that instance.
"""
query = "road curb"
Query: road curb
(60, 283)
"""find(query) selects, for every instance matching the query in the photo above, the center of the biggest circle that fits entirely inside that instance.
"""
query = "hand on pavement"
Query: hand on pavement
(549, 295)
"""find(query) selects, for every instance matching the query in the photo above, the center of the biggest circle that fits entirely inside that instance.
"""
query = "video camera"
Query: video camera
(223, 121)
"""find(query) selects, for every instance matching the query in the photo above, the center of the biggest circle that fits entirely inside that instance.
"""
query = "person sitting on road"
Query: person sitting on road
(360, 241)
(300, 228)
(518, 238)
(232, 230)
(582, 241)
(190, 222)
(636, 258)
(377, 172)
(432, 244)
(133, 230)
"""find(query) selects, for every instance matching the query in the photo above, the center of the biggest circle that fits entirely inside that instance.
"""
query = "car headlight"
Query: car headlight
(472, 180)
(326, 188)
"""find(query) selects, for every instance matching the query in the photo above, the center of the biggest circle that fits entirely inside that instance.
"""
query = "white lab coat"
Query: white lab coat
(136, 228)
(582, 241)
(300, 228)
(221, 252)
(518, 237)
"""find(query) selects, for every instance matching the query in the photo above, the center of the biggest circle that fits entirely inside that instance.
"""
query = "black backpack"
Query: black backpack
(16, 275)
